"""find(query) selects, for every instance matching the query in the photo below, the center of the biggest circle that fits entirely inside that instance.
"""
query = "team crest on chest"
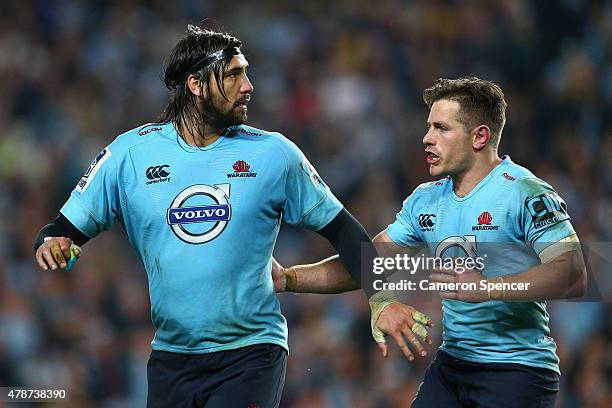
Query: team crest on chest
(484, 223)
(241, 169)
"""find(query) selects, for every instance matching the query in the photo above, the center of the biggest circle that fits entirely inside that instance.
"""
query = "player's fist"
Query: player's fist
(55, 252)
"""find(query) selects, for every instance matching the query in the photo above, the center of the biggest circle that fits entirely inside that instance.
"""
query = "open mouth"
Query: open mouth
(242, 104)
(432, 158)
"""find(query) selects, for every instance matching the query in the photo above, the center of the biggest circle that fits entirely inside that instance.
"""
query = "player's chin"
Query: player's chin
(435, 170)
(241, 116)
(235, 120)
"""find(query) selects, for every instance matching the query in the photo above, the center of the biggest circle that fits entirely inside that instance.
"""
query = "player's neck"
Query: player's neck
(465, 182)
(195, 139)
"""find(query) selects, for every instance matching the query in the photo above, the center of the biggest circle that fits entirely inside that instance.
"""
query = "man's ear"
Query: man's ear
(194, 84)
(481, 135)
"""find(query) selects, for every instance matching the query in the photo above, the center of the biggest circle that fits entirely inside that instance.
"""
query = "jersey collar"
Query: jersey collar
(504, 163)
(185, 146)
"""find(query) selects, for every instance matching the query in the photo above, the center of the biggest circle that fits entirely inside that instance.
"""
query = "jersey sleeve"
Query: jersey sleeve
(403, 232)
(544, 220)
(309, 203)
(94, 205)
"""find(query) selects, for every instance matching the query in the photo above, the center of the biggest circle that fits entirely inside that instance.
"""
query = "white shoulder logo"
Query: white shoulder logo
(312, 173)
(93, 169)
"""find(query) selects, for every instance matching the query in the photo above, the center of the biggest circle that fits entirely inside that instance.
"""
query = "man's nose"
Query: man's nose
(247, 86)
(428, 139)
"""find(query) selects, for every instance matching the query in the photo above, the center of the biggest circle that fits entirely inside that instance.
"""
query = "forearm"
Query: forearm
(328, 276)
(562, 278)
(355, 250)
(60, 227)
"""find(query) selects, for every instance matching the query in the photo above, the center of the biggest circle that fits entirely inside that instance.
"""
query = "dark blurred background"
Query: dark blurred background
(342, 79)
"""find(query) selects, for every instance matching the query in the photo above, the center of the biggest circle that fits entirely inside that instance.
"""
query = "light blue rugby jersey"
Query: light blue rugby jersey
(512, 217)
(204, 222)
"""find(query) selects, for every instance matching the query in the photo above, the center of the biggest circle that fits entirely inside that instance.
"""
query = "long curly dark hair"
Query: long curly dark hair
(182, 108)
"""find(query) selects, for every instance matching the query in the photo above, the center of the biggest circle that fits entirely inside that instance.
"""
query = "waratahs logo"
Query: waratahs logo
(200, 213)
(485, 218)
(484, 223)
(241, 169)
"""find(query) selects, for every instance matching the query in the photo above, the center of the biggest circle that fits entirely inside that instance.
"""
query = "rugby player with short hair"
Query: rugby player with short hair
(201, 197)
(496, 350)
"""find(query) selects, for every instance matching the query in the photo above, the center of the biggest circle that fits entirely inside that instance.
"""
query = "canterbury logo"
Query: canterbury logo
(156, 172)
(426, 221)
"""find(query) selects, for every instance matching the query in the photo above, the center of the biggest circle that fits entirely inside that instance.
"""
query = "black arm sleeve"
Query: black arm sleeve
(60, 227)
(354, 247)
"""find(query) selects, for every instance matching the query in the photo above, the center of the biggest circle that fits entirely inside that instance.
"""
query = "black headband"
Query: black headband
(211, 59)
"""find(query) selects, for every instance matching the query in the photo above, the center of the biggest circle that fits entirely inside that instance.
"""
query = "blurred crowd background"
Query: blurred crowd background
(343, 79)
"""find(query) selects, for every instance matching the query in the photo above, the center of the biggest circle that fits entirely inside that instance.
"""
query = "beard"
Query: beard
(222, 119)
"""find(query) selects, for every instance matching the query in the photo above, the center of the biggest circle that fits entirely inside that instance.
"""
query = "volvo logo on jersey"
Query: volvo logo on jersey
(200, 213)
(484, 223)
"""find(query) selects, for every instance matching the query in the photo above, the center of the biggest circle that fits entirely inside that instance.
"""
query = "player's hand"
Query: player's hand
(468, 278)
(278, 276)
(403, 322)
(55, 252)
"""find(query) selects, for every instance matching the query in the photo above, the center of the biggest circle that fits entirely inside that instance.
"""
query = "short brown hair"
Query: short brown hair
(480, 101)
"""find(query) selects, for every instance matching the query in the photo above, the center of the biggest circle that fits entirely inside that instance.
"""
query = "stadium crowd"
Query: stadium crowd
(343, 80)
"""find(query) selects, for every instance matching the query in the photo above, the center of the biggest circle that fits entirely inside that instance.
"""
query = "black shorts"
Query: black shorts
(451, 382)
(249, 377)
